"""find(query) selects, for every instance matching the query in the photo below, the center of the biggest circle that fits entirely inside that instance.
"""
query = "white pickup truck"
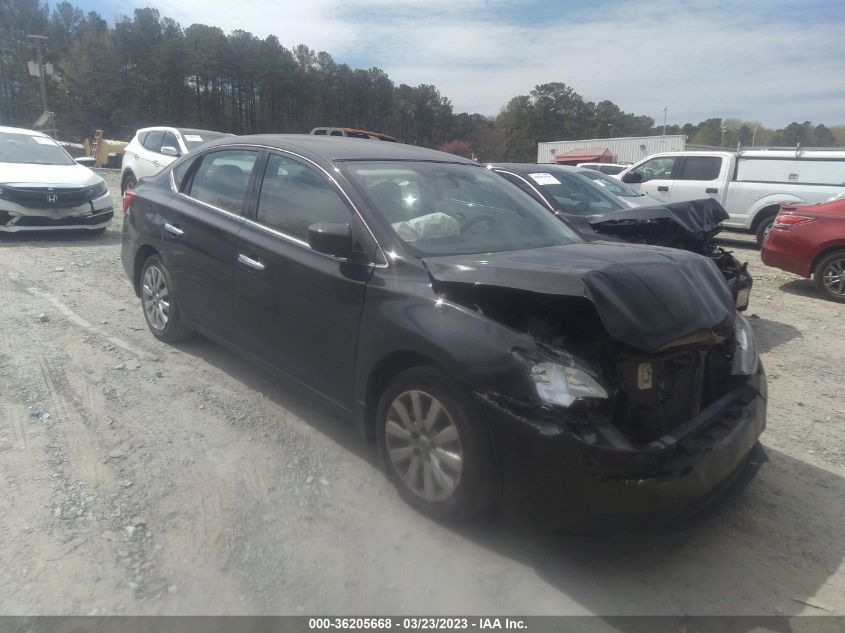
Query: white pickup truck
(750, 184)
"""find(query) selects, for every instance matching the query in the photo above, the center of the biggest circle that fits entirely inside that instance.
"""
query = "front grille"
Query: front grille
(33, 220)
(658, 394)
(44, 198)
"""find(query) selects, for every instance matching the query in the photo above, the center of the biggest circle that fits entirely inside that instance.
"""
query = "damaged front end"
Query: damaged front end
(689, 226)
(636, 416)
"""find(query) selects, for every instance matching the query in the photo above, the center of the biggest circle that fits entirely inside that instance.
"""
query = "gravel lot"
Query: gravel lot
(142, 478)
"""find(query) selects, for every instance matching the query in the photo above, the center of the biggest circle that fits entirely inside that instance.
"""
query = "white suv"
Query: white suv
(154, 148)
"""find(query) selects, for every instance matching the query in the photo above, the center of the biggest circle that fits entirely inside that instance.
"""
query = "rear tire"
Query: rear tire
(829, 276)
(436, 451)
(763, 229)
(127, 182)
(160, 305)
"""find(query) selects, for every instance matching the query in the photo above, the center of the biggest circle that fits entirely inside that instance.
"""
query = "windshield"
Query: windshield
(32, 150)
(451, 209)
(574, 194)
(612, 185)
(194, 138)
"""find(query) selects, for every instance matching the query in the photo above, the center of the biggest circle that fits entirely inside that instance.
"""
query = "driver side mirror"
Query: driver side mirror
(331, 238)
(169, 150)
(632, 177)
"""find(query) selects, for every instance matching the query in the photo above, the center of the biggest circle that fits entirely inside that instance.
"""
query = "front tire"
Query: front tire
(763, 230)
(161, 309)
(829, 276)
(434, 446)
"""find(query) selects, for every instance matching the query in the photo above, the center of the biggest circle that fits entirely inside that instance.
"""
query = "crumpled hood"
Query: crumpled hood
(650, 298)
(699, 219)
(23, 175)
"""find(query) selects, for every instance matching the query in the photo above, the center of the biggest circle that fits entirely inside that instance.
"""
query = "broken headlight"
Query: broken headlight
(745, 349)
(564, 384)
(95, 191)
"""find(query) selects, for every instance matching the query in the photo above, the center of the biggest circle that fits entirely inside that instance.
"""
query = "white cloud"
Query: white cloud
(703, 59)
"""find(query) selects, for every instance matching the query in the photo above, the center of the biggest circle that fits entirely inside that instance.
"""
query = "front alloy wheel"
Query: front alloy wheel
(423, 445)
(434, 446)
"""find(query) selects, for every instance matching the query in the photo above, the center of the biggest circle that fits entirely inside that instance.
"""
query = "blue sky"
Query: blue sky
(773, 61)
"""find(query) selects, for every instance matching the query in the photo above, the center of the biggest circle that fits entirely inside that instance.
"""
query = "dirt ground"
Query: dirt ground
(143, 478)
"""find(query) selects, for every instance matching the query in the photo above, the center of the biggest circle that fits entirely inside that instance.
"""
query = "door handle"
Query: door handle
(662, 188)
(249, 261)
(711, 190)
(175, 230)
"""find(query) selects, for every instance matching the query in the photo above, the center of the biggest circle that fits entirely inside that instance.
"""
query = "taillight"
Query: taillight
(787, 220)
(128, 199)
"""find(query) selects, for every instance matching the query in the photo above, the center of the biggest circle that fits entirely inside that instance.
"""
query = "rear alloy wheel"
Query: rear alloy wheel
(434, 446)
(160, 309)
(829, 276)
(763, 230)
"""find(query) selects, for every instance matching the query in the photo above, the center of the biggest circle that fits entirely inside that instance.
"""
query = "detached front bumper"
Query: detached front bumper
(96, 214)
(552, 479)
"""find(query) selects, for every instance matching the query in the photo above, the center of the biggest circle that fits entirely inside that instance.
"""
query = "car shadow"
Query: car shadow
(802, 288)
(49, 239)
(284, 392)
(770, 334)
(784, 521)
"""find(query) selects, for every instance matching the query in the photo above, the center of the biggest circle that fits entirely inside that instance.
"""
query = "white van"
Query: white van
(750, 184)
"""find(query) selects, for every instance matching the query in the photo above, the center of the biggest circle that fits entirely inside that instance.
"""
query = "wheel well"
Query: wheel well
(381, 374)
(762, 214)
(140, 257)
(823, 254)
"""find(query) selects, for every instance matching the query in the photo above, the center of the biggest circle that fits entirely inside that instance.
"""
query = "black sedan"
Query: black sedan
(488, 350)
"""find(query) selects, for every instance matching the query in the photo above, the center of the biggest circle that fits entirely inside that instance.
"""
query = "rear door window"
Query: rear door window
(170, 140)
(294, 196)
(700, 168)
(153, 141)
(222, 179)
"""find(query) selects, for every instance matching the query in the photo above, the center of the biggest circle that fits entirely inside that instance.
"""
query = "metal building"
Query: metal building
(628, 149)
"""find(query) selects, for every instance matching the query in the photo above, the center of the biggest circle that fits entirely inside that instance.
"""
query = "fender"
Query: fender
(769, 201)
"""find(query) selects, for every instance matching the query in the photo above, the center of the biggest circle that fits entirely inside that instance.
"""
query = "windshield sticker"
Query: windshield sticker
(192, 137)
(43, 141)
(544, 179)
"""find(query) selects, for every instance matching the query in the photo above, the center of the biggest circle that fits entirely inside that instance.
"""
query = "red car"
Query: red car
(810, 240)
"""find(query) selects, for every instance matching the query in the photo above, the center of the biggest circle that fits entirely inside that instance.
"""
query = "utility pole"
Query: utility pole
(665, 113)
(42, 71)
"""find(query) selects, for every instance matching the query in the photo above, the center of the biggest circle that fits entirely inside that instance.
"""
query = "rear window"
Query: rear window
(195, 138)
(153, 140)
(700, 168)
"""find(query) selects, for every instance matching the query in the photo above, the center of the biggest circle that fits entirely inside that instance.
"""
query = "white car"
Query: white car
(154, 148)
(43, 189)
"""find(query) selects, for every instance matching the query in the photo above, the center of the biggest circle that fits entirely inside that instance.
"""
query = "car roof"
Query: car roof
(181, 130)
(341, 148)
(20, 130)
